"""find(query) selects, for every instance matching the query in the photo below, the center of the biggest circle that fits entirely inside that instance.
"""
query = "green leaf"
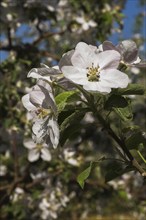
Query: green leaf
(112, 174)
(115, 169)
(115, 101)
(71, 125)
(84, 175)
(64, 98)
(132, 89)
(135, 140)
(124, 113)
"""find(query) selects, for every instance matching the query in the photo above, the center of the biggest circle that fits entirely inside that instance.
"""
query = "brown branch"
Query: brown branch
(46, 35)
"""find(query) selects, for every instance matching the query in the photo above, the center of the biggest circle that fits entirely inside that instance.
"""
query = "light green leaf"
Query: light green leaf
(84, 175)
(124, 113)
(64, 98)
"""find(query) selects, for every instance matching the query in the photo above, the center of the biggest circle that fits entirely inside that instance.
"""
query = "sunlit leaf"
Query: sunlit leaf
(84, 175)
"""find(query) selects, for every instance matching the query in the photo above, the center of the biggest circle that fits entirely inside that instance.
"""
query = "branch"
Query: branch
(46, 35)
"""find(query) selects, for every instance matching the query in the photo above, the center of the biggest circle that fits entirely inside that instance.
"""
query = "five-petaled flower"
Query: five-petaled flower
(96, 71)
(37, 150)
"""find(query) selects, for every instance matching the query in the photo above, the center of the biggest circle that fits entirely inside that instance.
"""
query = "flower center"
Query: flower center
(42, 113)
(93, 73)
(39, 147)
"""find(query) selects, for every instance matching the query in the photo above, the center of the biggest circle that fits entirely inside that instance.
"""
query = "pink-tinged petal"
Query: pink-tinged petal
(108, 59)
(114, 78)
(83, 56)
(77, 75)
(97, 86)
(33, 155)
(29, 144)
(27, 104)
(45, 154)
(37, 97)
(107, 45)
(129, 51)
(66, 59)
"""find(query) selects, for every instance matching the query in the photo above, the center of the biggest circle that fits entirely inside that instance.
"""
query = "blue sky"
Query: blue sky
(131, 10)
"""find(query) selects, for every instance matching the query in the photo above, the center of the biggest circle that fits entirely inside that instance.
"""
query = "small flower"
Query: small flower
(41, 105)
(37, 150)
(69, 157)
(17, 194)
(96, 71)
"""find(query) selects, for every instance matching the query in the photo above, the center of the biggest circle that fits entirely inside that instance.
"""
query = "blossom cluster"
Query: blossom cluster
(96, 69)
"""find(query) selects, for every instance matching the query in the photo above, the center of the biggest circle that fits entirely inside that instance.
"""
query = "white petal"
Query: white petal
(54, 132)
(97, 86)
(38, 127)
(29, 144)
(83, 56)
(27, 104)
(33, 155)
(114, 78)
(45, 154)
(138, 60)
(108, 59)
(37, 97)
(77, 75)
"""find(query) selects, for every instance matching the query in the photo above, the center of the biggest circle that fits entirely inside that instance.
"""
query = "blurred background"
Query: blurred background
(41, 31)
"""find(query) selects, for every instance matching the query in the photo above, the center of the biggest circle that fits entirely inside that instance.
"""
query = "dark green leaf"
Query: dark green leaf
(135, 140)
(132, 89)
(71, 125)
(116, 171)
(116, 101)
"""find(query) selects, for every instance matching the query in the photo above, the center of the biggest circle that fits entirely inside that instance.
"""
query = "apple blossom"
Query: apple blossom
(37, 150)
(41, 105)
(96, 71)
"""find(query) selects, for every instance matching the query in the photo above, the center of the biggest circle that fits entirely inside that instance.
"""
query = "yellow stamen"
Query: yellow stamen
(93, 73)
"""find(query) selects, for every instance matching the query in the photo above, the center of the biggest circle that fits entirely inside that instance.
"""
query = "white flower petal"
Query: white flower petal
(33, 155)
(29, 144)
(97, 86)
(108, 59)
(83, 56)
(27, 104)
(54, 132)
(77, 75)
(114, 78)
(45, 154)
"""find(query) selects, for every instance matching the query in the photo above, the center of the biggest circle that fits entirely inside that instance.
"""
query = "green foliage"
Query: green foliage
(82, 177)
(65, 98)
(132, 89)
(135, 140)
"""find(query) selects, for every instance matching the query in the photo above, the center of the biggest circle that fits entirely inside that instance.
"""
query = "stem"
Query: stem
(119, 141)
